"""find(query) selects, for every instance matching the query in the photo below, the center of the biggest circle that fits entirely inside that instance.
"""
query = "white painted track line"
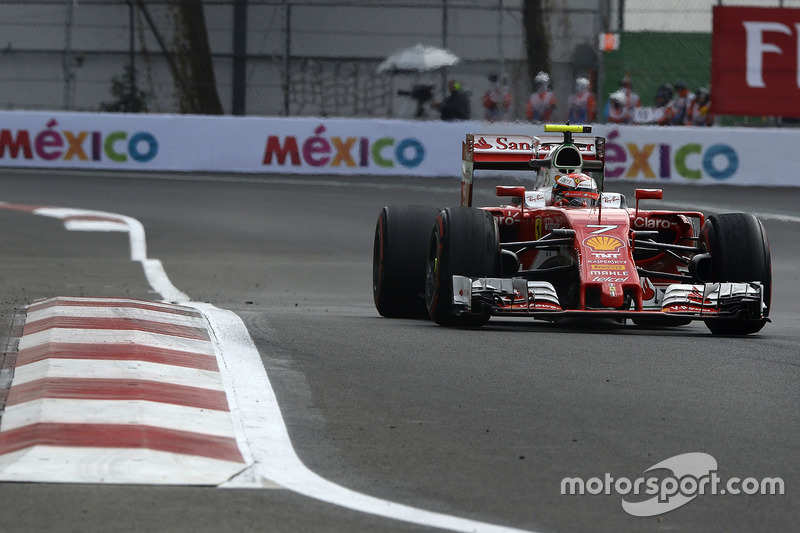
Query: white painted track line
(275, 461)
(258, 425)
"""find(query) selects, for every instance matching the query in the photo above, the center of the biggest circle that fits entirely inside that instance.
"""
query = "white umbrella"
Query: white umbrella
(419, 58)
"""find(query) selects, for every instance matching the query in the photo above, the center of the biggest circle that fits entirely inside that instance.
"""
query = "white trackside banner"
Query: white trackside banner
(326, 146)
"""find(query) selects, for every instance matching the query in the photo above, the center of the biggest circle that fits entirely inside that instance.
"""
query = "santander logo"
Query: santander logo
(481, 144)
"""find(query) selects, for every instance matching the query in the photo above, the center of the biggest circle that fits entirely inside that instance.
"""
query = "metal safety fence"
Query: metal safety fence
(319, 57)
(264, 57)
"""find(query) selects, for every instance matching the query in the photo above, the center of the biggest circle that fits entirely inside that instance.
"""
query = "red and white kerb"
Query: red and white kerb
(110, 390)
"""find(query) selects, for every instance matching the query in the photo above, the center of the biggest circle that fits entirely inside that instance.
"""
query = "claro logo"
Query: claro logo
(52, 144)
(320, 151)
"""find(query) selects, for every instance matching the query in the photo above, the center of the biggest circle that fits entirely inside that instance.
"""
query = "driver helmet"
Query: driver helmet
(575, 190)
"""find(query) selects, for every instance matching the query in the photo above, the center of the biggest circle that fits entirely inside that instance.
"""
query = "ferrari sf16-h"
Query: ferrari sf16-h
(565, 248)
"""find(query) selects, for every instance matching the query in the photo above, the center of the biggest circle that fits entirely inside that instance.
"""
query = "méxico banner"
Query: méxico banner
(755, 64)
(374, 147)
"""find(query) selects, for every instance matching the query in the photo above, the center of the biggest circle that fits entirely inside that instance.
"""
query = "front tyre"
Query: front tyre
(398, 260)
(464, 242)
(739, 252)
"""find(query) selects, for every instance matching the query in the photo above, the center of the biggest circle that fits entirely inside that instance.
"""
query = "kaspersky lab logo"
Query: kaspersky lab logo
(691, 475)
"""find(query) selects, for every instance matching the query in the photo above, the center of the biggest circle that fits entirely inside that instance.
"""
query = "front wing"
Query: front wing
(539, 299)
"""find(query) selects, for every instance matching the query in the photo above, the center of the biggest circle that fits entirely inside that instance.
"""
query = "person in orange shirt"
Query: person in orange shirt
(497, 99)
(542, 102)
(617, 112)
(581, 104)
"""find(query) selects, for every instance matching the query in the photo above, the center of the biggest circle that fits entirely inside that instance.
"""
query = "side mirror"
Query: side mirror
(517, 192)
(513, 192)
(647, 194)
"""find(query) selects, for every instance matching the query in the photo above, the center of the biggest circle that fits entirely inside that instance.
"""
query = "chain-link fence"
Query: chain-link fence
(319, 57)
(664, 43)
(267, 57)
(272, 57)
(653, 59)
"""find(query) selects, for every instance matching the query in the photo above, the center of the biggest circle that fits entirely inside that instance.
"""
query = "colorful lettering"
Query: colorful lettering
(379, 145)
(319, 150)
(14, 145)
(75, 146)
(289, 148)
(718, 161)
(640, 161)
(51, 144)
(343, 151)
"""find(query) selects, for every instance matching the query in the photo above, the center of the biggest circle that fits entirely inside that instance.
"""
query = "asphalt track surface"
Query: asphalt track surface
(481, 424)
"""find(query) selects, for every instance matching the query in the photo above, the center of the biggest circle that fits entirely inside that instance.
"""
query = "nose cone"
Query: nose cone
(611, 295)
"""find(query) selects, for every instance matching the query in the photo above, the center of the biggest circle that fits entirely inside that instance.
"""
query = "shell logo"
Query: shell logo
(603, 243)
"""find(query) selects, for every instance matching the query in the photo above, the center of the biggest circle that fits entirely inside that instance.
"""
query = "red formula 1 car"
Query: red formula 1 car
(567, 249)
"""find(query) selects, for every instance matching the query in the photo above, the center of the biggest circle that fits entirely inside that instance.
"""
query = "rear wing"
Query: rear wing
(523, 152)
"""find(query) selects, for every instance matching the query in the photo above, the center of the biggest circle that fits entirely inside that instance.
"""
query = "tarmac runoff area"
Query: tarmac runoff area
(123, 391)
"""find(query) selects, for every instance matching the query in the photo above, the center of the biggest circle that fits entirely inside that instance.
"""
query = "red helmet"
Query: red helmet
(575, 190)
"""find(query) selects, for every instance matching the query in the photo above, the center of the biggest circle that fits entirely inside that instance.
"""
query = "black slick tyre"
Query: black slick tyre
(739, 252)
(464, 242)
(398, 260)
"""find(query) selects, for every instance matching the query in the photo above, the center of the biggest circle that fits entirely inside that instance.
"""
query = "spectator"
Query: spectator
(581, 104)
(617, 110)
(497, 99)
(699, 113)
(632, 100)
(542, 102)
(680, 104)
(662, 110)
(456, 106)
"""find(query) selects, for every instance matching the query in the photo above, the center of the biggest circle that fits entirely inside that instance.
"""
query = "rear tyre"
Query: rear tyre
(464, 242)
(739, 252)
(398, 260)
